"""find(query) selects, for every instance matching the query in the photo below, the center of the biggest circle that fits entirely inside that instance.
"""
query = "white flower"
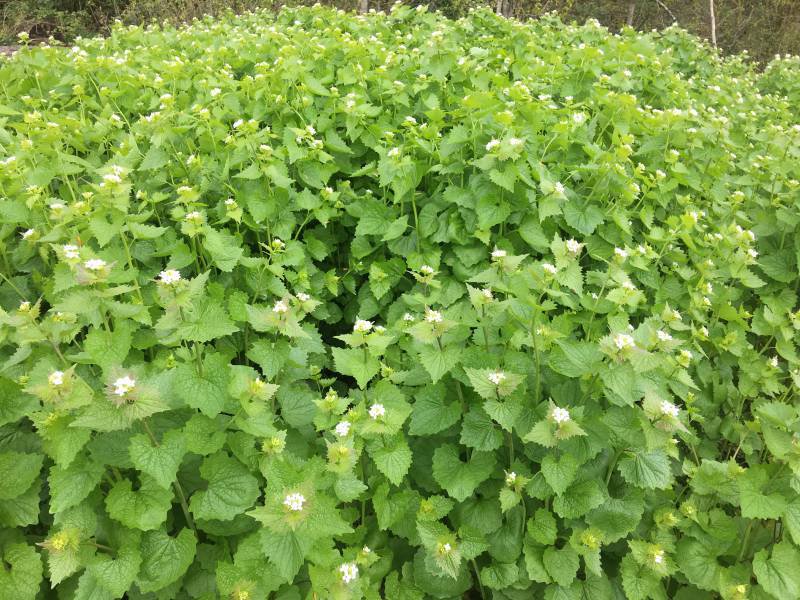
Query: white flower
(24, 306)
(215, 92)
(498, 254)
(362, 326)
(408, 317)
(620, 253)
(426, 270)
(669, 409)
(549, 268)
(663, 336)
(342, 428)
(376, 411)
(193, 217)
(752, 253)
(124, 385)
(294, 502)
(366, 550)
(492, 144)
(496, 377)
(446, 548)
(95, 264)
(658, 557)
(487, 293)
(511, 478)
(773, 362)
(238, 123)
(280, 307)
(411, 120)
(579, 117)
(303, 297)
(56, 378)
(686, 356)
(704, 331)
(230, 202)
(28, 233)
(516, 142)
(349, 571)
(623, 341)
(560, 415)
(394, 152)
(574, 247)
(278, 244)
(559, 188)
(169, 277)
(433, 316)
(56, 206)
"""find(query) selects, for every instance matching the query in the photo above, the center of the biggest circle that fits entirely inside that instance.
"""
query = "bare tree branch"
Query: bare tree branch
(713, 23)
(666, 8)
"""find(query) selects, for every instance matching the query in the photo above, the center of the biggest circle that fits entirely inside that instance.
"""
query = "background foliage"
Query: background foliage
(336, 306)
(763, 28)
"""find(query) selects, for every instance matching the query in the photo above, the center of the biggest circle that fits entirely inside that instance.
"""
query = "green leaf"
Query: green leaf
(578, 499)
(203, 436)
(575, 359)
(648, 470)
(161, 462)
(499, 576)
(207, 392)
(542, 527)
(439, 362)
(24, 509)
(21, 574)
(116, 574)
(559, 472)
(69, 486)
(165, 559)
(145, 508)
(431, 413)
(754, 502)
(224, 249)
(286, 551)
(392, 456)
(479, 432)
(18, 471)
(778, 573)
(585, 217)
(206, 321)
(562, 565)
(106, 348)
(459, 478)
(357, 363)
(231, 489)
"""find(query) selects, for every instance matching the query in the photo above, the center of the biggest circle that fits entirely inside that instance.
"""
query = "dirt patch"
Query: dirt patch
(9, 50)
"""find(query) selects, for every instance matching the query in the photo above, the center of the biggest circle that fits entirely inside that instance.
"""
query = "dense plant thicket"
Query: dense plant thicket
(313, 305)
(740, 25)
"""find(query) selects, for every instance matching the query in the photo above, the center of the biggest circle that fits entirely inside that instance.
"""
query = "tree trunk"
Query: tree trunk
(713, 23)
(363, 6)
(631, 11)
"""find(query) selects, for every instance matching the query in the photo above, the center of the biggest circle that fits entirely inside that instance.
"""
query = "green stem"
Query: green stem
(613, 464)
(103, 547)
(478, 577)
(175, 484)
(130, 266)
(745, 541)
